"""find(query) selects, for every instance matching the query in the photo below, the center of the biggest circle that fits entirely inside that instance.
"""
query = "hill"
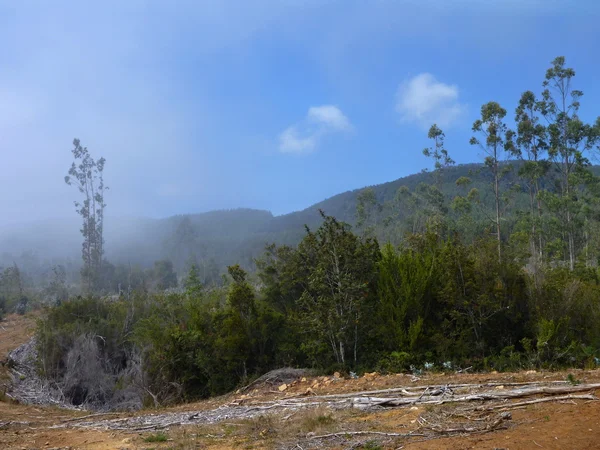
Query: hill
(218, 238)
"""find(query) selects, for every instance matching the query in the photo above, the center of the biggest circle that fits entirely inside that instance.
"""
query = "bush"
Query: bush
(158, 437)
(508, 360)
(395, 362)
(84, 349)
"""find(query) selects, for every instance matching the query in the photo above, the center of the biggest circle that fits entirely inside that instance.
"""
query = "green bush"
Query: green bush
(395, 362)
(158, 437)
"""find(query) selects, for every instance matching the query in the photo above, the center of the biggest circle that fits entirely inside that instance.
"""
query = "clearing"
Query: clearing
(524, 410)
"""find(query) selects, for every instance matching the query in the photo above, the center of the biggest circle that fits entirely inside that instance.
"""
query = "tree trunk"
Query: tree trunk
(497, 195)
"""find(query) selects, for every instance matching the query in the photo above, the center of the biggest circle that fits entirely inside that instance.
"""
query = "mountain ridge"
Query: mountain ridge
(226, 236)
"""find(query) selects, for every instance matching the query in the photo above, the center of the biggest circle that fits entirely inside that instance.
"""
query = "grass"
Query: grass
(370, 445)
(571, 379)
(158, 437)
(265, 432)
(272, 431)
(317, 421)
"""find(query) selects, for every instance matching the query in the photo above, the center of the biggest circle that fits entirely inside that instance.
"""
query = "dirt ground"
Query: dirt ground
(572, 424)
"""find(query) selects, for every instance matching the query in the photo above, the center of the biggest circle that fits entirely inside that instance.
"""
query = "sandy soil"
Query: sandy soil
(558, 425)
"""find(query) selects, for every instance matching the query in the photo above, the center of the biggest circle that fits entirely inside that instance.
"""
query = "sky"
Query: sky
(271, 104)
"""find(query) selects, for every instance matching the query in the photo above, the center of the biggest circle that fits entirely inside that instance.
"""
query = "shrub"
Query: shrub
(158, 437)
(395, 362)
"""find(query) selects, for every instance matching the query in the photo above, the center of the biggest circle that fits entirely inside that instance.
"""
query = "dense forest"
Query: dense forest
(492, 266)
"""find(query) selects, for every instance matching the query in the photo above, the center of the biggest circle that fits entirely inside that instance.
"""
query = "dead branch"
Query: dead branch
(405, 390)
(75, 419)
(538, 400)
(367, 402)
(362, 433)
(505, 416)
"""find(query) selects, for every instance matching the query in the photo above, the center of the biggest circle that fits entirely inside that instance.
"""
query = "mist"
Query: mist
(214, 106)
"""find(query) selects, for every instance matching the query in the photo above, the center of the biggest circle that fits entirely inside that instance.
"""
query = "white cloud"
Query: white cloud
(425, 101)
(304, 137)
(330, 116)
(291, 142)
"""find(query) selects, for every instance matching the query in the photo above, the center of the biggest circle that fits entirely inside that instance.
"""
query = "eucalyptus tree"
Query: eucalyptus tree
(529, 145)
(441, 161)
(492, 129)
(366, 207)
(87, 174)
(438, 153)
(570, 139)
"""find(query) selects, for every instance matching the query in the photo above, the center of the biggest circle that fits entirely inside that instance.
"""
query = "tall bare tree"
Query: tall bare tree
(87, 174)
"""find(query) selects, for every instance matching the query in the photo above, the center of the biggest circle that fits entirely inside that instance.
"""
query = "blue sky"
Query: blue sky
(201, 105)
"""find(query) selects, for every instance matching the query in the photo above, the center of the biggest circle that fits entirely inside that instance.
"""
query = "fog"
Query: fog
(216, 105)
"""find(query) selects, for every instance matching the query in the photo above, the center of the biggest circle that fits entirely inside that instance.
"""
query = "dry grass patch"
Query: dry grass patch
(267, 431)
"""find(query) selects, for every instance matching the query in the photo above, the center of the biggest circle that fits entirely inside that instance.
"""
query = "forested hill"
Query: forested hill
(218, 238)
(343, 206)
(221, 238)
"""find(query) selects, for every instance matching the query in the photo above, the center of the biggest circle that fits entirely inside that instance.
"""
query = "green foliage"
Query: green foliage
(370, 445)
(492, 269)
(395, 362)
(158, 437)
(404, 280)
(432, 300)
(192, 284)
(366, 204)
(338, 288)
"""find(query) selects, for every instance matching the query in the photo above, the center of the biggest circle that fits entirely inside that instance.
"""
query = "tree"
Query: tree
(441, 161)
(164, 275)
(569, 139)
(529, 144)
(236, 339)
(411, 205)
(438, 153)
(87, 175)
(366, 204)
(182, 244)
(339, 286)
(192, 284)
(57, 288)
(11, 285)
(404, 279)
(493, 129)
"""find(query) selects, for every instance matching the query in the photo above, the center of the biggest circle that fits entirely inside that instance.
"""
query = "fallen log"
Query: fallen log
(405, 390)
(362, 433)
(537, 400)
(75, 419)
(368, 402)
